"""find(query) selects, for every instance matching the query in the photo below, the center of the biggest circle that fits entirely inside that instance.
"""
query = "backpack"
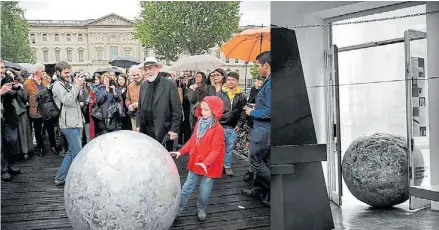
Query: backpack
(46, 104)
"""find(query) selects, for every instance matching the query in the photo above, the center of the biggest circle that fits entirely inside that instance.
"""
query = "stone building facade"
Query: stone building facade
(91, 44)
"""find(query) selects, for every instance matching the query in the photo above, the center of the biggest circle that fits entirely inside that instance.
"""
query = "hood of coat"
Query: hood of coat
(215, 104)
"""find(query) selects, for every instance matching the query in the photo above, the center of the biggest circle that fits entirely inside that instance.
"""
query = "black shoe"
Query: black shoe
(254, 192)
(14, 170)
(40, 152)
(6, 177)
(54, 150)
(265, 200)
(248, 176)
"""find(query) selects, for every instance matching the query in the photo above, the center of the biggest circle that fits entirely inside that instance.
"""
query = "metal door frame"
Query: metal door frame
(411, 35)
(415, 35)
(335, 180)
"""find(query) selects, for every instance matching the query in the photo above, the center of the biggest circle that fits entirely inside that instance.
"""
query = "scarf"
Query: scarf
(150, 91)
(231, 92)
(203, 125)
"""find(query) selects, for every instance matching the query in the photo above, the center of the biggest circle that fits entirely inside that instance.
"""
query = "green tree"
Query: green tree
(14, 34)
(155, 29)
(192, 27)
(254, 71)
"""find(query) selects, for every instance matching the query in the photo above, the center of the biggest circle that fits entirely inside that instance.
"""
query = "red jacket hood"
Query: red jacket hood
(216, 106)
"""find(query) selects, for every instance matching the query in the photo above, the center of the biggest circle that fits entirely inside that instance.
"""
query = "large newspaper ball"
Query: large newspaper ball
(122, 180)
(375, 169)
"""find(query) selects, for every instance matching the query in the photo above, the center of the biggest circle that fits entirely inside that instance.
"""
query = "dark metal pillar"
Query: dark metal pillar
(299, 199)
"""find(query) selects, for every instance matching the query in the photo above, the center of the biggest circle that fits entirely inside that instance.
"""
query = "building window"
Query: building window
(69, 56)
(57, 56)
(69, 37)
(113, 52)
(57, 37)
(81, 55)
(46, 56)
(127, 53)
(236, 60)
(34, 54)
(44, 37)
(100, 55)
(79, 37)
(227, 60)
(32, 38)
(145, 53)
(218, 54)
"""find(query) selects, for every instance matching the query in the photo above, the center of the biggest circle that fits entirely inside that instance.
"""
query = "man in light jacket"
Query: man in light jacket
(66, 95)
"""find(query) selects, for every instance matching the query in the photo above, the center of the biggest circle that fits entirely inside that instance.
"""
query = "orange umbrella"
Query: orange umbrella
(248, 44)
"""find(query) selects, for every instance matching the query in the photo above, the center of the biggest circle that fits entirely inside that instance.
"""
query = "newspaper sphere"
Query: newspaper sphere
(375, 169)
(122, 180)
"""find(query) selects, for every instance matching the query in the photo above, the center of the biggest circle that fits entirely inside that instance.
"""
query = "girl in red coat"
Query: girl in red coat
(206, 154)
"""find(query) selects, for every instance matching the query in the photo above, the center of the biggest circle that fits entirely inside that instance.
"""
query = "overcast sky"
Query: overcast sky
(253, 12)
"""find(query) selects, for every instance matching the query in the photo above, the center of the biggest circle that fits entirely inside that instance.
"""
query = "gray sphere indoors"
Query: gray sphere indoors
(375, 169)
(122, 180)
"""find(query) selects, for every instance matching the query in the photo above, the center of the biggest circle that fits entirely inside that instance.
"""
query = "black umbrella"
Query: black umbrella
(124, 62)
(12, 65)
(109, 69)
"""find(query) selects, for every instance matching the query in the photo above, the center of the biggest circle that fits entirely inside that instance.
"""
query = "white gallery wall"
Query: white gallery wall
(433, 60)
(365, 108)
(367, 102)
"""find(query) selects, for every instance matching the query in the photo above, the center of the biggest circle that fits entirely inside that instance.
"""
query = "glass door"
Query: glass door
(417, 116)
(333, 126)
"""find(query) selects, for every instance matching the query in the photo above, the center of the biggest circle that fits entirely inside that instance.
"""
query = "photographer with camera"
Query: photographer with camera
(108, 109)
(11, 96)
(67, 96)
(33, 86)
(122, 83)
(87, 88)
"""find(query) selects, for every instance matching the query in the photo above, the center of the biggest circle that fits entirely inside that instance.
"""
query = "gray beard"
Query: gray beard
(151, 78)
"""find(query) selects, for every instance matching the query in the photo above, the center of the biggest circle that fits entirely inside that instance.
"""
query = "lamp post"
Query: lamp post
(245, 77)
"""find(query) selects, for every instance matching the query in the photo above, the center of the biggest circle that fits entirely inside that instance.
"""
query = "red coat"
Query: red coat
(211, 147)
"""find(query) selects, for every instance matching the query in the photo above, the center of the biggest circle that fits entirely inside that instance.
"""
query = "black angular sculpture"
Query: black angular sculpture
(298, 192)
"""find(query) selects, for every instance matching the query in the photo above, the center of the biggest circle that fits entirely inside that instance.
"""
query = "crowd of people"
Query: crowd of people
(205, 116)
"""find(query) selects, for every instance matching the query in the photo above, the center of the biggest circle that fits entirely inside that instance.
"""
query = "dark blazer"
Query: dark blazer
(166, 110)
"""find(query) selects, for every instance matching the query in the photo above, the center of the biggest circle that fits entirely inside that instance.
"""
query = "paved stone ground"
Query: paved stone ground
(32, 201)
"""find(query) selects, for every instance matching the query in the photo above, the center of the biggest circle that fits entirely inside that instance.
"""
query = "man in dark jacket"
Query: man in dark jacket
(233, 117)
(9, 123)
(159, 107)
(260, 133)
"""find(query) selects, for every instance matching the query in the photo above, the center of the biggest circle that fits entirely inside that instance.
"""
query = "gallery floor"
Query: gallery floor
(355, 215)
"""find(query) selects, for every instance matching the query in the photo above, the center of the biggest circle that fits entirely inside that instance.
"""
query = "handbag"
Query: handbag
(97, 113)
(121, 109)
(19, 106)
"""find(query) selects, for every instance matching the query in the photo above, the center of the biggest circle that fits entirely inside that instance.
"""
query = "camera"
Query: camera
(88, 79)
(112, 82)
(16, 87)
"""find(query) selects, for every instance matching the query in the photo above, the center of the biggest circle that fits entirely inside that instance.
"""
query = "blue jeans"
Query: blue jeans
(259, 151)
(192, 181)
(74, 139)
(230, 137)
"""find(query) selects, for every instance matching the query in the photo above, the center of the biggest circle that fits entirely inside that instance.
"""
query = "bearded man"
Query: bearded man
(159, 107)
